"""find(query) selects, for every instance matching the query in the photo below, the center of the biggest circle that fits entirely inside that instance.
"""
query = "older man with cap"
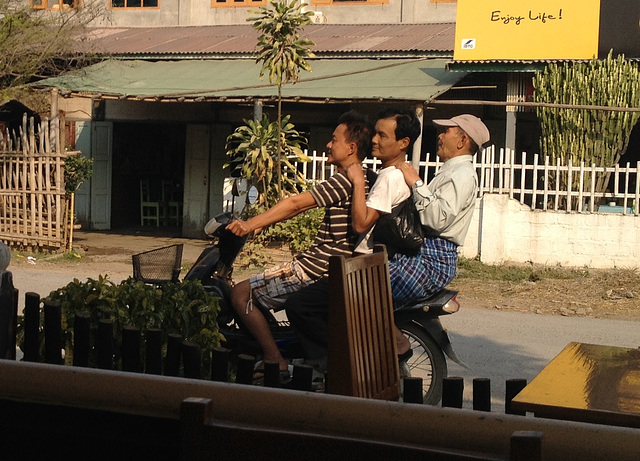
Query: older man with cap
(446, 207)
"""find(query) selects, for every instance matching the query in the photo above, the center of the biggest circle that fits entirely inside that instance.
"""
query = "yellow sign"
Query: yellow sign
(526, 29)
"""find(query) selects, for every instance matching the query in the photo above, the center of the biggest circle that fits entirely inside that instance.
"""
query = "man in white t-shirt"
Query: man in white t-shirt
(396, 130)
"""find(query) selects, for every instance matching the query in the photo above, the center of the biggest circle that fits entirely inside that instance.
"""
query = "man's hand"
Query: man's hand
(410, 173)
(239, 228)
(355, 174)
(284, 209)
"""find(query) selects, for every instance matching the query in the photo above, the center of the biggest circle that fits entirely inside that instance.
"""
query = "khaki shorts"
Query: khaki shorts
(272, 287)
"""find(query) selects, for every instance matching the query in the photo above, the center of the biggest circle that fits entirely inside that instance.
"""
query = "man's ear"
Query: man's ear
(464, 139)
(404, 142)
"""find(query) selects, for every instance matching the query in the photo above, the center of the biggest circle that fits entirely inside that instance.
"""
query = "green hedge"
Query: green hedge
(184, 308)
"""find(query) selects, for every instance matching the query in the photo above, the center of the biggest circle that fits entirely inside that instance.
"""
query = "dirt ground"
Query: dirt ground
(612, 294)
(600, 294)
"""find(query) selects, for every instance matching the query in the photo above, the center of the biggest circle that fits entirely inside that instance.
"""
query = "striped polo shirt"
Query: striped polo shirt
(335, 235)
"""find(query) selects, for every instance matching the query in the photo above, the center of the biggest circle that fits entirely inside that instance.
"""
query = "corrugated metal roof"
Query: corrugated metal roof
(506, 65)
(331, 79)
(200, 41)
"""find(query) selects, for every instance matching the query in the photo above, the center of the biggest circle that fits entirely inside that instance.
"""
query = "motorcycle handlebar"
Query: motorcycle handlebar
(218, 223)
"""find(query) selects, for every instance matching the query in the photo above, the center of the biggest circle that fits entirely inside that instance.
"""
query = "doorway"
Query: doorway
(153, 153)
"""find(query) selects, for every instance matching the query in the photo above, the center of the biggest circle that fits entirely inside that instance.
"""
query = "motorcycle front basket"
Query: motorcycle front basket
(159, 265)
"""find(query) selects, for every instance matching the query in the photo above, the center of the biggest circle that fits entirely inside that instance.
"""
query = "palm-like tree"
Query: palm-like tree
(282, 52)
(254, 155)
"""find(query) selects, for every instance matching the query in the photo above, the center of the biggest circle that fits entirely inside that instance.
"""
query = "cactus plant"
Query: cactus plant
(597, 137)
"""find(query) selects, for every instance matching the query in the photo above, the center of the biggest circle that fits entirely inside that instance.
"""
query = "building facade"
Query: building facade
(162, 110)
(162, 13)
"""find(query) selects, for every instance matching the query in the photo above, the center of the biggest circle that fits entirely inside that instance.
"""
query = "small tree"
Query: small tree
(597, 137)
(37, 43)
(282, 53)
(254, 150)
(77, 169)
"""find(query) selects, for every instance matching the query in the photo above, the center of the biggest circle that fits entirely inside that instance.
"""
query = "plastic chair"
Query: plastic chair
(172, 203)
(150, 209)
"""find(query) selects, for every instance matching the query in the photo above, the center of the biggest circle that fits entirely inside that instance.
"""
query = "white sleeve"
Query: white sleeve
(389, 190)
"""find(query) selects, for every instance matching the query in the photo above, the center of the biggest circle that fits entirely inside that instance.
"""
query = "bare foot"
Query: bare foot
(402, 342)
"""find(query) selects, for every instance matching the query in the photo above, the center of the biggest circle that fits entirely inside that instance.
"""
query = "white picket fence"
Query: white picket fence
(527, 179)
(531, 183)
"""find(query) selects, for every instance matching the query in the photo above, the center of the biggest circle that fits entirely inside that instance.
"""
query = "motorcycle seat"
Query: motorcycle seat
(443, 301)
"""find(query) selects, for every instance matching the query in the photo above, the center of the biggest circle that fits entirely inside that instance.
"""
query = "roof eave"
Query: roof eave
(318, 55)
(223, 99)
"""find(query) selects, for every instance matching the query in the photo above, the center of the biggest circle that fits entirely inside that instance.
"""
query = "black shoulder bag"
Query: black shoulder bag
(401, 230)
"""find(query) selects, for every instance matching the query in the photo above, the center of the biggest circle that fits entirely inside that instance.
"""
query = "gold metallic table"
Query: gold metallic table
(588, 383)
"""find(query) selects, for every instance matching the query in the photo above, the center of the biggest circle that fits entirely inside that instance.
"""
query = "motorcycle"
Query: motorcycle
(419, 321)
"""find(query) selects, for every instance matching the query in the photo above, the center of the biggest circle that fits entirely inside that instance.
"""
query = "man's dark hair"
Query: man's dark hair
(407, 124)
(359, 131)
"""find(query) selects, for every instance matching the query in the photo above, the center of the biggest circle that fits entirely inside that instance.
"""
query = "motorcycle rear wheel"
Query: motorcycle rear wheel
(428, 362)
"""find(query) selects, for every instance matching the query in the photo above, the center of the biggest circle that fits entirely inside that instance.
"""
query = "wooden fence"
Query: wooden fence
(33, 205)
(139, 414)
(172, 356)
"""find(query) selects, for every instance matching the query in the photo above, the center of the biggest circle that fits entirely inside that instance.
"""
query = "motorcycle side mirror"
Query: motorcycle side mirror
(252, 194)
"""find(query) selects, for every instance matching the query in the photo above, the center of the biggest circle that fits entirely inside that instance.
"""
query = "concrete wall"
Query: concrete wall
(391, 12)
(503, 230)
(200, 12)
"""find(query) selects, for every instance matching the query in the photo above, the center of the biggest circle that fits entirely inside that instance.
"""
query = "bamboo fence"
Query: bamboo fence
(34, 211)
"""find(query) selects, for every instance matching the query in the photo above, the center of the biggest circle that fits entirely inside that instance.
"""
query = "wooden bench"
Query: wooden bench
(362, 360)
(106, 415)
(205, 437)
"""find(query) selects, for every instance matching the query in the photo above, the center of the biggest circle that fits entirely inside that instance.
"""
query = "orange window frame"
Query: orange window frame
(124, 6)
(349, 2)
(237, 3)
(55, 4)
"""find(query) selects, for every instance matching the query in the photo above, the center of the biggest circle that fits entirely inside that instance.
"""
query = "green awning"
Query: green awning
(335, 79)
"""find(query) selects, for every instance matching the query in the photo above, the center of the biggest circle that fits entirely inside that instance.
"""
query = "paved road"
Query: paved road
(503, 345)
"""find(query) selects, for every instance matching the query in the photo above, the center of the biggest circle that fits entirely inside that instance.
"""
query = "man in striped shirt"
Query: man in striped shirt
(349, 145)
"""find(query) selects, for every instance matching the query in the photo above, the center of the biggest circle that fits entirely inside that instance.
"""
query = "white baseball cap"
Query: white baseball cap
(470, 124)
